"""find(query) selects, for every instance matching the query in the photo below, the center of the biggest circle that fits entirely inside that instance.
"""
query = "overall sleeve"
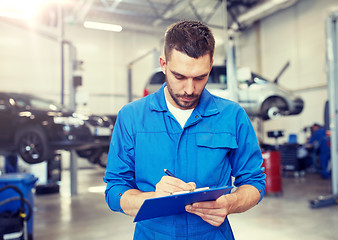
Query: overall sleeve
(247, 159)
(120, 172)
(316, 136)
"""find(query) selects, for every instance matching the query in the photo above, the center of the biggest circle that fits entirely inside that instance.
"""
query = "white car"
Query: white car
(257, 95)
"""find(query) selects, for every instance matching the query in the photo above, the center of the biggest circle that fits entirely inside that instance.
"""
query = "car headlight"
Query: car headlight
(68, 121)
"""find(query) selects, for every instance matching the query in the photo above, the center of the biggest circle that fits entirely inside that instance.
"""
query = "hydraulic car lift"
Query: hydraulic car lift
(332, 76)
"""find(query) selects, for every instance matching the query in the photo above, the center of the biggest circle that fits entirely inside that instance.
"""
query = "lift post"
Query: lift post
(331, 25)
(155, 53)
(232, 67)
(332, 74)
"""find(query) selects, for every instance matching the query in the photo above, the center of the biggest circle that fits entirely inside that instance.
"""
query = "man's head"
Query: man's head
(189, 37)
(315, 126)
(189, 48)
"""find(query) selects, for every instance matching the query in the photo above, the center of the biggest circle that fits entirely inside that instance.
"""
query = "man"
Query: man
(321, 144)
(203, 139)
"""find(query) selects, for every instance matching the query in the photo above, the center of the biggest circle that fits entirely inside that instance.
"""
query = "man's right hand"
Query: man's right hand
(132, 199)
(168, 185)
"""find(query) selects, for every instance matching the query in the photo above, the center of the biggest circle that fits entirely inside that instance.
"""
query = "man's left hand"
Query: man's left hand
(213, 212)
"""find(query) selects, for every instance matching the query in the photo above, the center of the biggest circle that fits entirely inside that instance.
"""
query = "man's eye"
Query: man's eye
(199, 78)
(180, 77)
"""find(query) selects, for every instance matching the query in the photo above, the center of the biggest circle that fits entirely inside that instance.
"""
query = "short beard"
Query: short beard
(182, 104)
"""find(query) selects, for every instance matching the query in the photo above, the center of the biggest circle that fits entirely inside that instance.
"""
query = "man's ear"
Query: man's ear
(163, 64)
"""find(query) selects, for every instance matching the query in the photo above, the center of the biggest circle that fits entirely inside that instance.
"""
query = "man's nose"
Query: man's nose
(189, 87)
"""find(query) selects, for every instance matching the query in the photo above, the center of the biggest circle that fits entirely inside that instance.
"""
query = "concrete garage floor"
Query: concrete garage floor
(86, 216)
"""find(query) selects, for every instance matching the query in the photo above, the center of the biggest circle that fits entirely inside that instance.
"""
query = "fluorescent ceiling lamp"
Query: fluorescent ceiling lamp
(102, 26)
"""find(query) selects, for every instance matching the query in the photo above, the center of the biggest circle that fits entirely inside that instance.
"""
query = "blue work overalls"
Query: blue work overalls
(216, 144)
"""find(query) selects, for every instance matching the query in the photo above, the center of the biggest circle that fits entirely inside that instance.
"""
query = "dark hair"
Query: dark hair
(190, 37)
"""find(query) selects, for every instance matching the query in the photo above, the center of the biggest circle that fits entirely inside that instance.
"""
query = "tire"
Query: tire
(102, 160)
(86, 153)
(101, 157)
(273, 112)
(273, 108)
(32, 144)
(47, 189)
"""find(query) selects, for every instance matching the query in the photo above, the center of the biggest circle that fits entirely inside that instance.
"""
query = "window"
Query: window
(3, 104)
(218, 75)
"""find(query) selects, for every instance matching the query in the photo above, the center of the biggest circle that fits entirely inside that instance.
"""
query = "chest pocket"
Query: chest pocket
(212, 156)
(216, 140)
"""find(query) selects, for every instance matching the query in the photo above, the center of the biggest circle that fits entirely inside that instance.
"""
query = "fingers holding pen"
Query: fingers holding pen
(192, 185)
(169, 185)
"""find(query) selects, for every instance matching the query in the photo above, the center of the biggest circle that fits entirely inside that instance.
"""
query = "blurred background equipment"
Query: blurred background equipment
(16, 206)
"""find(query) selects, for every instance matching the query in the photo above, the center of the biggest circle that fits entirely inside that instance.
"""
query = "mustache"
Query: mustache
(187, 95)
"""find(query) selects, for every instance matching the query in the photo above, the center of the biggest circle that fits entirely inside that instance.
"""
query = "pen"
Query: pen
(169, 173)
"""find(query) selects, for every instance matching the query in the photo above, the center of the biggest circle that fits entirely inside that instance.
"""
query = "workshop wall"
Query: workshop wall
(28, 62)
(106, 56)
(31, 63)
(296, 34)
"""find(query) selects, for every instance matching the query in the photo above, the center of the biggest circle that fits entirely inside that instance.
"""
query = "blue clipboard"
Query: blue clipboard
(175, 204)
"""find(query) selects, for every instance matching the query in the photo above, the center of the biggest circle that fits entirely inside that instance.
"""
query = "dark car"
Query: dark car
(34, 127)
(101, 128)
(99, 155)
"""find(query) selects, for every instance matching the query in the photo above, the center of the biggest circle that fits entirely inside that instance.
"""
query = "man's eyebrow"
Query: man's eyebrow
(177, 74)
(181, 75)
(202, 76)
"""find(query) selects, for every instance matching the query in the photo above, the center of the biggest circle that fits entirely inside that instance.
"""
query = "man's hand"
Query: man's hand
(215, 212)
(132, 199)
(169, 185)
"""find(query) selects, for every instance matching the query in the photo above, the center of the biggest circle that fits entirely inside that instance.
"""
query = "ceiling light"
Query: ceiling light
(102, 26)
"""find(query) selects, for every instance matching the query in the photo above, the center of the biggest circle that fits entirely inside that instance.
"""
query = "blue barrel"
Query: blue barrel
(25, 182)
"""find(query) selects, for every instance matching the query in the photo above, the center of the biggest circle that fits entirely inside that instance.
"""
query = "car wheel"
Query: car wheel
(273, 112)
(273, 108)
(86, 153)
(102, 160)
(32, 144)
(101, 157)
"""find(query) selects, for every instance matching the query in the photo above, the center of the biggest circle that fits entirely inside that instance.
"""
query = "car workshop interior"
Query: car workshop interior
(68, 66)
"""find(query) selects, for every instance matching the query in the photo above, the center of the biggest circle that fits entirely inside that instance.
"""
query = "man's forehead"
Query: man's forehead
(190, 67)
(174, 51)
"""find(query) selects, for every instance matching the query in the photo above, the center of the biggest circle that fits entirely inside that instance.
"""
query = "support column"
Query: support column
(332, 78)
(73, 173)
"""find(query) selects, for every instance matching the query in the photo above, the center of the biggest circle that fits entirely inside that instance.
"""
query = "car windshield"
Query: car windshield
(218, 75)
(35, 103)
(44, 104)
(158, 78)
(258, 79)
